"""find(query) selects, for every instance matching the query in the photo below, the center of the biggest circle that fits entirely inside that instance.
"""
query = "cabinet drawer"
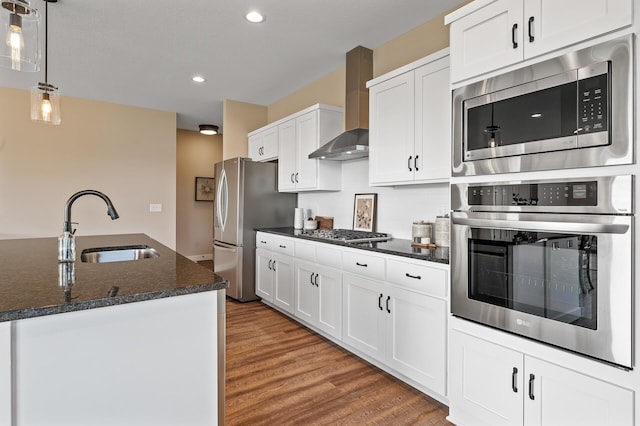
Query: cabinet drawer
(363, 264)
(283, 245)
(306, 251)
(328, 256)
(422, 278)
(264, 240)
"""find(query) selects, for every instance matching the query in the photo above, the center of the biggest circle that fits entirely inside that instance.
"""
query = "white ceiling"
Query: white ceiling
(144, 52)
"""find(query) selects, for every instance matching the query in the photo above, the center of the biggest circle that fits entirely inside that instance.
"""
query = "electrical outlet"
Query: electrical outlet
(155, 208)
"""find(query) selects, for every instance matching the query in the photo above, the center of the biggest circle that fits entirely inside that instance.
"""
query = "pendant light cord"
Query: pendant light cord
(46, 39)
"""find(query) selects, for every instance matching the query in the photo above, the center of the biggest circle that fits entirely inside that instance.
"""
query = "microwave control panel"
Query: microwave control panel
(593, 104)
(538, 194)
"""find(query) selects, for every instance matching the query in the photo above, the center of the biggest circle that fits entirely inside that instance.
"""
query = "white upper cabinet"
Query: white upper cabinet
(409, 123)
(488, 35)
(263, 144)
(298, 136)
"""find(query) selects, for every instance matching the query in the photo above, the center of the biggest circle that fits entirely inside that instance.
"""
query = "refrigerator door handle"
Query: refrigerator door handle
(225, 247)
(222, 200)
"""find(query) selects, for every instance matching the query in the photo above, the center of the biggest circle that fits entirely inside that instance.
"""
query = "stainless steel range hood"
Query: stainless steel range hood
(354, 142)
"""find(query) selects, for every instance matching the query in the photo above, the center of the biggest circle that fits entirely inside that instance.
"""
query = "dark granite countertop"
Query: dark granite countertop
(30, 277)
(394, 246)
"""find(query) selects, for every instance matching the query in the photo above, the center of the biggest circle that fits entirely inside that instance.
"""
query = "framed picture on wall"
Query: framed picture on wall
(205, 188)
(364, 212)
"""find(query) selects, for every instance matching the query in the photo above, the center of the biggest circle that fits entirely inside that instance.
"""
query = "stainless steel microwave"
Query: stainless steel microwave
(572, 111)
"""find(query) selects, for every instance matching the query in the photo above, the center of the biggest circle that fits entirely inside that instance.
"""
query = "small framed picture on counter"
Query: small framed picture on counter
(364, 212)
(205, 188)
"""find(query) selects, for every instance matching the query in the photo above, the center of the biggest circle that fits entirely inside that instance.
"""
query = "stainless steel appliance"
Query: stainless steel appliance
(548, 260)
(575, 110)
(246, 198)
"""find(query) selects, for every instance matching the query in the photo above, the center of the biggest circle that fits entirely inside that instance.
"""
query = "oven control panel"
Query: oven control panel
(537, 194)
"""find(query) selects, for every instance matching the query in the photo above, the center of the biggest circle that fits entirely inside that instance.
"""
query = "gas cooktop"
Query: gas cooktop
(347, 235)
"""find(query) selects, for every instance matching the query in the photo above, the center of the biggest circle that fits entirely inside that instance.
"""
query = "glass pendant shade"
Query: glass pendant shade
(19, 50)
(45, 104)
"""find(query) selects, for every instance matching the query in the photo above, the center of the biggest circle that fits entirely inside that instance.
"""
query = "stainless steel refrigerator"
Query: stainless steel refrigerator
(246, 198)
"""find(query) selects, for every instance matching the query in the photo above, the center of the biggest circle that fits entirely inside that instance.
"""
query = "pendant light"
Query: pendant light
(20, 49)
(45, 98)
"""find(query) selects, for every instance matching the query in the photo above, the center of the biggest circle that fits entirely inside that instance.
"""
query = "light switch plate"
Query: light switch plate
(155, 208)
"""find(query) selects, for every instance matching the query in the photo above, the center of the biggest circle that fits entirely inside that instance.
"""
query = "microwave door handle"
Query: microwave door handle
(541, 225)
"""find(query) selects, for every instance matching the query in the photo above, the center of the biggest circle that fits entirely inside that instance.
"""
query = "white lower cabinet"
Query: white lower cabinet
(405, 330)
(494, 385)
(388, 309)
(274, 278)
(318, 291)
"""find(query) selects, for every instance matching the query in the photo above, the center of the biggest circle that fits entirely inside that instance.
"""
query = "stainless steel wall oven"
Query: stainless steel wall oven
(548, 260)
(572, 111)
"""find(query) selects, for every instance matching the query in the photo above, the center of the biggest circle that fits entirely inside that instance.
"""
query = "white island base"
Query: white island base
(156, 362)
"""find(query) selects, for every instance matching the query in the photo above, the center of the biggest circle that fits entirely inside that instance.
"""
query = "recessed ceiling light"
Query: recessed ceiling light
(536, 115)
(198, 79)
(255, 17)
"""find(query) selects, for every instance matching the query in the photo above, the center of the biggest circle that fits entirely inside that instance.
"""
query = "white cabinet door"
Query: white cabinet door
(287, 156)
(554, 24)
(270, 144)
(307, 142)
(263, 145)
(364, 316)
(505, 32)
(329, 300)
(488, 39)
(486, 382)
(391, 130)
(254, 147)
(417, 331)
(305, 294)
(283, 273)
(556, 396)
(432, 122)
(264, 274)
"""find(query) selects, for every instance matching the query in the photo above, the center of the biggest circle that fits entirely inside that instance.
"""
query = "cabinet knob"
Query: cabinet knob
(296, 177)
(380, 301)
(292, 181)
(531, 37)
(532, 377)
(415, 163)
(416, 277)
(514, 380)
(364, 265)
(388, 299)
(513, 36)
(409, 162)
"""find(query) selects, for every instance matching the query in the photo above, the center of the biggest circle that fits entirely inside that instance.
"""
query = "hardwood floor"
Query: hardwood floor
(281, 373)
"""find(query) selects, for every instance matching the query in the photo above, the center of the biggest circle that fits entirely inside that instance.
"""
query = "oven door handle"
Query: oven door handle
(541, 225)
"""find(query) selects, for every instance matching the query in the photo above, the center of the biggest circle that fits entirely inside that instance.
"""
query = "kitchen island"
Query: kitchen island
(129, 342)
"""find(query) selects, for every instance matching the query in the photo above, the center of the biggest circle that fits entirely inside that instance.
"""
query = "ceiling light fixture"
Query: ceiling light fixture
(45, 97)
(198, 79)
(254, 17)
(20, 50)
(208, 129)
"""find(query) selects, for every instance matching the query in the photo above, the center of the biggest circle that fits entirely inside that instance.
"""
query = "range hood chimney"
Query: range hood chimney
(354, 142)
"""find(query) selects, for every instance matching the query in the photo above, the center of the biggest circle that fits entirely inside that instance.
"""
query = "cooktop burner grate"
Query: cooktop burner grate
(348, 235)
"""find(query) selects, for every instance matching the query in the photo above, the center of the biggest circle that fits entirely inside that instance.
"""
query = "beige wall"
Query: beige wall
(196, 155)
(329, 90)
(240, 118)
(411, 46)
(126, 152)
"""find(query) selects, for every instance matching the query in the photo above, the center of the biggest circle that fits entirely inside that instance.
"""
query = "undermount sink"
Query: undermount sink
(117, 254)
